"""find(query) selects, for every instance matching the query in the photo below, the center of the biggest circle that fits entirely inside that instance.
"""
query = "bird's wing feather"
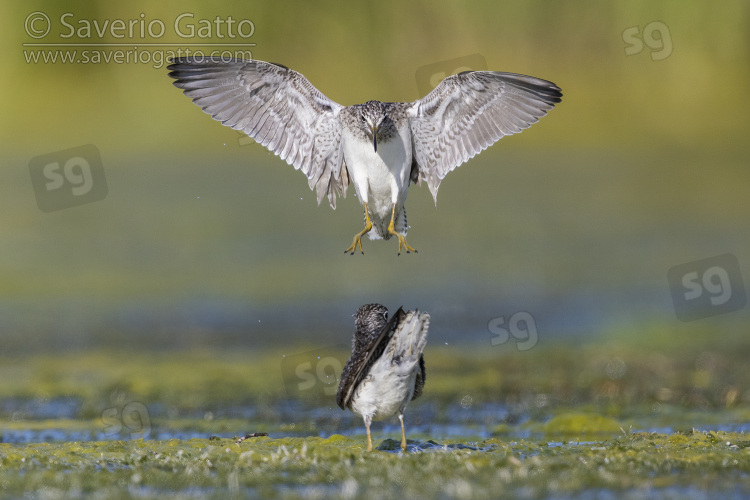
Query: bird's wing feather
(420, 380)
(277, 107)
(409, 341)
(468, 112)
(351, 377)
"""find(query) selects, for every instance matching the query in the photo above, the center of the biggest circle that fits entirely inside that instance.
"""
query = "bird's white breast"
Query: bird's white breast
(392, 391)
(380, 178)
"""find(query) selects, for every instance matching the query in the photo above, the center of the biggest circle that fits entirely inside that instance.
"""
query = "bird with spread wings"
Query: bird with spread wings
(380, 147)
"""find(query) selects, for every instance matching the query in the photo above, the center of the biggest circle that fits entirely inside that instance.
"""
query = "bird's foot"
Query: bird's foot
(401, 238)
(358, 237)
(357, 242)
(403, 431)
(369, 438)
(402, 242)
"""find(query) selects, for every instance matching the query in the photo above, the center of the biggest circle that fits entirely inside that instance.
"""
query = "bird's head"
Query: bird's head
(369, 320)
(373, 120)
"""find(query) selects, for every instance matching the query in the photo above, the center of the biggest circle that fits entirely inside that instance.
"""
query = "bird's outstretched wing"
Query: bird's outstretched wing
(353, 375)
(468, 112)
(277, 107)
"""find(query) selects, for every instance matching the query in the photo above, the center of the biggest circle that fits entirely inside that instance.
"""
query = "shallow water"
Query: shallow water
(62, 420)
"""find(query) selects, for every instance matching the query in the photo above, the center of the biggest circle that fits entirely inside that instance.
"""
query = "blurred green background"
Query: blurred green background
(204, 239)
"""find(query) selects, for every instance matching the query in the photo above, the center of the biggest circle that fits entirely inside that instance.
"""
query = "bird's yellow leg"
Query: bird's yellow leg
(403, 433)
(358, 236)
(369, 437)
(401, 238)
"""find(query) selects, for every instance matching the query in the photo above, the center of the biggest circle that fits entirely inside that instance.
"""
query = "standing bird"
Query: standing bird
(386, 369)
(380, 146)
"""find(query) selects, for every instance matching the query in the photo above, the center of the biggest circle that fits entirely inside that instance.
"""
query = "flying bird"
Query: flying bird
(382, 147)
(386, 370)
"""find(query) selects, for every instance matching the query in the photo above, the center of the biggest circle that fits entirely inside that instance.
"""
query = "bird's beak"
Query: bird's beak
(374, 130)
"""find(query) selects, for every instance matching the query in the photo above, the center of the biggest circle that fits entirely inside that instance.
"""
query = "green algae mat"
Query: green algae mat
(338, 467)
(645, 417)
